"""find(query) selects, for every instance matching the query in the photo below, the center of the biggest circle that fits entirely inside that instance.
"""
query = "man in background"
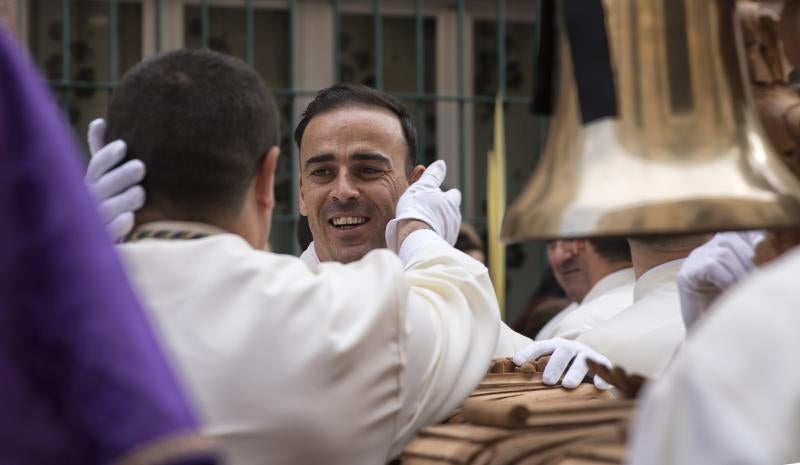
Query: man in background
(640, 338)
(605, 264)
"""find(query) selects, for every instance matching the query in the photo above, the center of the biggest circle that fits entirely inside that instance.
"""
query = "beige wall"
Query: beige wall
(8, 14)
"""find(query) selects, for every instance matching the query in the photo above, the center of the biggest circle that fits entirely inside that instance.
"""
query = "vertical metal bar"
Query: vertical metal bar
(501, 48)
(419, 100)
(158, 26)
(337, 41)
(205, 20)
(541, 122)
(295, 162)
(541, 131)
(378, 34)
(113, 30)
(249, 41)
(462, 143)
(65, 54)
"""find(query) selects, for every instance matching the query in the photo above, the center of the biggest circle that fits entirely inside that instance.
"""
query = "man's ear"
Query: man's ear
(265, 180)
(300, 197)
(416, 173)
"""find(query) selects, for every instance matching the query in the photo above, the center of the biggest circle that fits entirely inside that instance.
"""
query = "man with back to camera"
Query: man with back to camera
(729, 394)
(341, 364)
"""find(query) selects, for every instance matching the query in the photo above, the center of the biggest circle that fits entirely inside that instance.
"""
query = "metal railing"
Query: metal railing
(286, 219)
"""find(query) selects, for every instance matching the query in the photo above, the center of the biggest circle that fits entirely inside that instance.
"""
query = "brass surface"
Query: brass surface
(686, 152)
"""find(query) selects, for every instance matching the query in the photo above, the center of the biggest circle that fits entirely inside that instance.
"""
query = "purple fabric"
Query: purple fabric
(82, 378)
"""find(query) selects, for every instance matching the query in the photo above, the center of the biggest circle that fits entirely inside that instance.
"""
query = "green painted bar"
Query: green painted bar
(501, 48)
(294, 161)
(511, 99)
(337, 41)
(249, 38)
(158, 25)
(108, 85)
(113, 32)
(65, 52)
(378, 43)
(205, 23)
(462, 136)
(420, 58)
(541, 122)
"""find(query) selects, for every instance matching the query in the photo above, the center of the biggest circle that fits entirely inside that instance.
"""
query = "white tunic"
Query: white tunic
(338, 366)
(605, 299)
(548, 329)
(642, 338)
(509, 342)
(732, 394)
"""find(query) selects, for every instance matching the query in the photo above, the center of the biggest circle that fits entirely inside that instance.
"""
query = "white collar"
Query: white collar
(192, 226)
(309, 256)
(658, 276)
(610, 281)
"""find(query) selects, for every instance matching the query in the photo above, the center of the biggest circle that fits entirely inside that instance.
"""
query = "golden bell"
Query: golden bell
(685, 153)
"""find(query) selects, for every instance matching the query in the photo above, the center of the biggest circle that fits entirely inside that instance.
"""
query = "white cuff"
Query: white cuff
(418, 239)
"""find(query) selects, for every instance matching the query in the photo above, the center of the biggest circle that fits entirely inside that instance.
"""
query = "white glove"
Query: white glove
(117, 192)
(562, 352)
(425, 201)
(713, 267)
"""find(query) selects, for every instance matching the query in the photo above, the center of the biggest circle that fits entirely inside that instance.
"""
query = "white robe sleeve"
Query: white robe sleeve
(509, 342)
(450, 332)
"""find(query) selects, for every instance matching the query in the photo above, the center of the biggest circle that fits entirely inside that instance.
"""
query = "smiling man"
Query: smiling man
(357, 152)
(562, 254)
(358, 148)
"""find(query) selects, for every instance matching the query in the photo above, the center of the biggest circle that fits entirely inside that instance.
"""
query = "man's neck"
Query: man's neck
(149, 217)
(644, 258)
(599, 269)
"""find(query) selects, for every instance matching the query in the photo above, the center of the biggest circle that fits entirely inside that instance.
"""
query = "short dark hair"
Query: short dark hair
(201, 122)
(343, 95)
(672, 242)
(612, 249)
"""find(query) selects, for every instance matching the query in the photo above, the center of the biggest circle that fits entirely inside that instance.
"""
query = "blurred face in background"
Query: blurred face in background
(563, 258)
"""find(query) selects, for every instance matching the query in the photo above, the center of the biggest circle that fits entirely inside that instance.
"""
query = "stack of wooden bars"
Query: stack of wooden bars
(514, 418)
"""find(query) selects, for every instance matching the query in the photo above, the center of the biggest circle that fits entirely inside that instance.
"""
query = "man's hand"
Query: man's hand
(562, 352)
(425, 201)
(713, 267)
(117, 192)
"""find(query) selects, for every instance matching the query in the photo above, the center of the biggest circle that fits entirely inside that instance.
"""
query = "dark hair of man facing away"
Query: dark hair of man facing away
(357, 95)
(201, 122)
(612, 249)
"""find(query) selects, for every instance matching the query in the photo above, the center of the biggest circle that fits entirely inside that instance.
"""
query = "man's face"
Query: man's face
(564, 262)
(352, 173)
